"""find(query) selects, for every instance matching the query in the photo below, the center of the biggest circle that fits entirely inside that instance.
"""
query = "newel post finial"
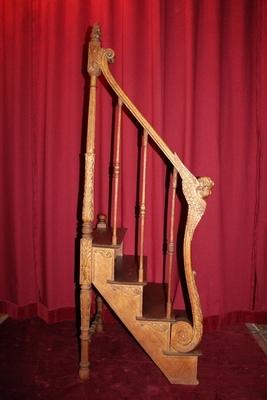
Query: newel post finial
(93, 68)
(96, 33)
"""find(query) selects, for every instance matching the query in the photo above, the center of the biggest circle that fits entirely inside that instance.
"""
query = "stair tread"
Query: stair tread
(103, 237)
(126, 269)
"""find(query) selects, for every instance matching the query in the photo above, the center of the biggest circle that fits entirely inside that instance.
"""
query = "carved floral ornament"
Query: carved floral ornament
(127, 290)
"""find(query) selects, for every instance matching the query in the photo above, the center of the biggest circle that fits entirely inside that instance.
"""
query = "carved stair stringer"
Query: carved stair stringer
(154, 336)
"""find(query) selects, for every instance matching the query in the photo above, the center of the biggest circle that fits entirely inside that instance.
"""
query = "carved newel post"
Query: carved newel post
(88, 206)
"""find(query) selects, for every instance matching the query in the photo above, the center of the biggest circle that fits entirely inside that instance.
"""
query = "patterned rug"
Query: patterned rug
(259, 332)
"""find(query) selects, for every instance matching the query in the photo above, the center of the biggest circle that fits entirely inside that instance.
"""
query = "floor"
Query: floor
(40, 361)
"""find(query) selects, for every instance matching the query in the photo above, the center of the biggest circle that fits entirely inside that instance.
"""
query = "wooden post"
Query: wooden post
(171, 243)
(99, 313)
(116, 173)
(88, 207)
(143, 208)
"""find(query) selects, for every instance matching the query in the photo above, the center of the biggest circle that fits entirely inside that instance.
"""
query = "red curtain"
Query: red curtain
(198, 71)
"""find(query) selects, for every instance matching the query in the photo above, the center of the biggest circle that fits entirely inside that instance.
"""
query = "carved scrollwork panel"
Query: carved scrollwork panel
(157, 326)
(127, 290)
(106, 253)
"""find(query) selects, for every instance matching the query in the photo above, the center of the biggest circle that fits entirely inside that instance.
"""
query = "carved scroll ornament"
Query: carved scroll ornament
(186, 335)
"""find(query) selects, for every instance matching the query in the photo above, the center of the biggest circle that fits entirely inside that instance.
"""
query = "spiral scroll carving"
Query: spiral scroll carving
(109, 54)
(182, 332)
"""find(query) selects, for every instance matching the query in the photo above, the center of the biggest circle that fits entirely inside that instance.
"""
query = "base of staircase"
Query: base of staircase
(183, 370)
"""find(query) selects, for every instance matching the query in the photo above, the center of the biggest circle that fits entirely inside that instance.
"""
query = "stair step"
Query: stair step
(103, 237)
(126, 270)
(154, 303)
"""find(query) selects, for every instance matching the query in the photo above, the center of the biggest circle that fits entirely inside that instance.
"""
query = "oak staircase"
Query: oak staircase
(169, 337)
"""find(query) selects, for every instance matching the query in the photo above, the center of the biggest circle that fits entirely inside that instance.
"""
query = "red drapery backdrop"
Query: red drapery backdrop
(198, 71)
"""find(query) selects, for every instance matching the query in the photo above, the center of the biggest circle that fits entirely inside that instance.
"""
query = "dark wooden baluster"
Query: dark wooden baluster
(143, 208)
(99, 313)
(116, 173)
(171, 243)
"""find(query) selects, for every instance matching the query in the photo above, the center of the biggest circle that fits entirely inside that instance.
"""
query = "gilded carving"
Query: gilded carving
(184, 335)
(93, 68)
(85, 260)
(181, 333)
(88, 196)
(95, 33)
(195, 190)
(108, 54)
(158, 326)
(128, 290)
(96, 53)
(106, 253)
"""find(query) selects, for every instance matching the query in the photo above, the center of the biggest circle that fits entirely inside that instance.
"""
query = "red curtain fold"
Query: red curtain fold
(197, 71)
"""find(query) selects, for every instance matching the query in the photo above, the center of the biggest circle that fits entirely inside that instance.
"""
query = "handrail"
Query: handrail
(184, 335)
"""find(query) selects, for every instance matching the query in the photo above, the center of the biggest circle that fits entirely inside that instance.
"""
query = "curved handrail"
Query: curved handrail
(107, 56)
(184, 335)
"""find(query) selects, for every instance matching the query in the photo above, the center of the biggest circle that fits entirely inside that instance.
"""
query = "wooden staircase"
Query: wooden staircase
(169, 337)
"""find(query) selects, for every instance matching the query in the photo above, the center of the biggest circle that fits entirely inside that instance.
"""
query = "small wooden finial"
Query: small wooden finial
(93, 66)
(96, 33)
(102, 221)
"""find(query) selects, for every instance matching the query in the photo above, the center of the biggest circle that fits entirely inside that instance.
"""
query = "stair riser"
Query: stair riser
(102, 265)
(124, 299)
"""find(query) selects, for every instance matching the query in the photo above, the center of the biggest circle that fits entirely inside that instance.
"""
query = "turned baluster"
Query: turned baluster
(142, 211)
(116, 173)
(99, 313)
(170, 248)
